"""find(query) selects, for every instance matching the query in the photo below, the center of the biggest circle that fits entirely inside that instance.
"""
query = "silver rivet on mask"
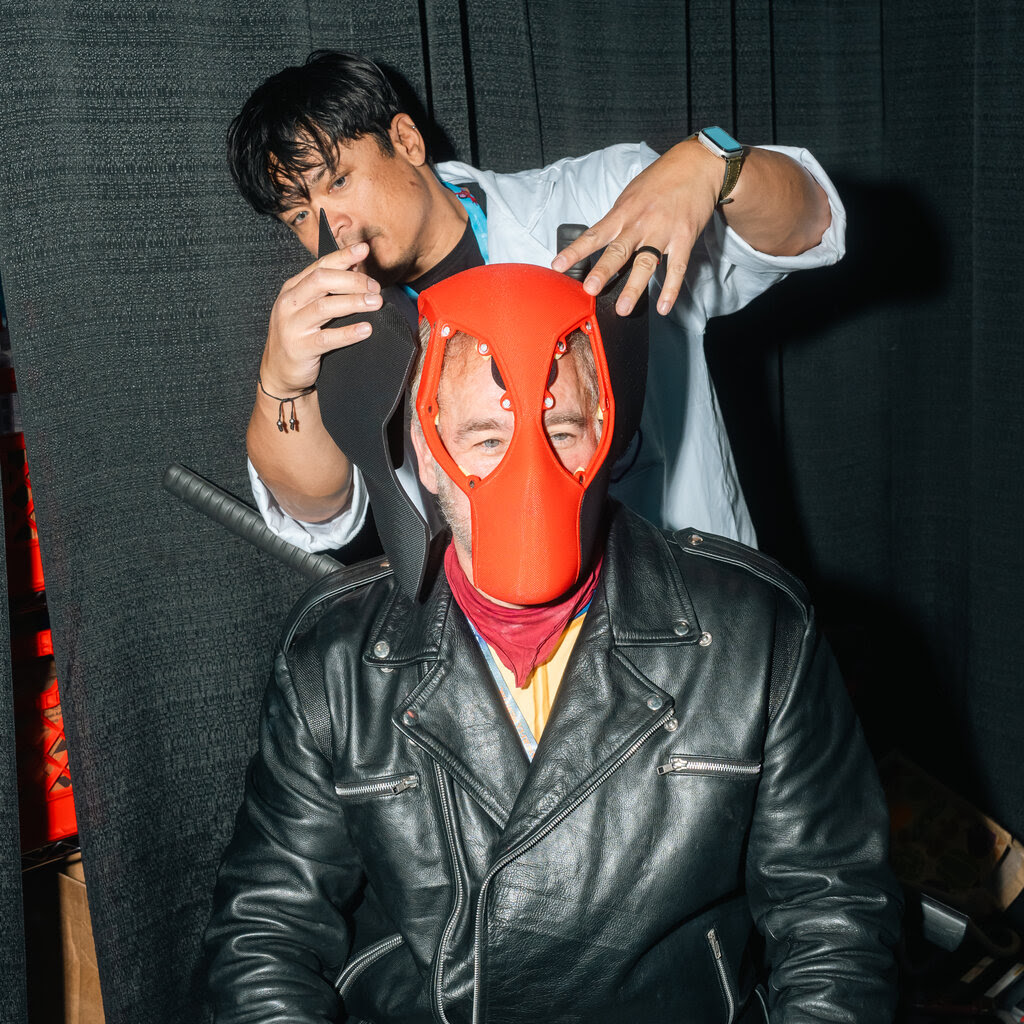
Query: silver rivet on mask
(548, 402)
(705, 639)
(382, 648)
(506, 403)
(445, 331)
(483, 348)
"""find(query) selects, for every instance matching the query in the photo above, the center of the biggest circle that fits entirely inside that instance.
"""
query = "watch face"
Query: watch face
(721, 138)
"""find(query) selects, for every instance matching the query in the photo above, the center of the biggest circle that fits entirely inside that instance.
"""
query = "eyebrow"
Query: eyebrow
(564, 419)
(554, 418)
(480, 426)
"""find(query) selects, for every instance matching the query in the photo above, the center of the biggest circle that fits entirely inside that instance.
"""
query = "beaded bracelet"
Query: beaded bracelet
(293, 423)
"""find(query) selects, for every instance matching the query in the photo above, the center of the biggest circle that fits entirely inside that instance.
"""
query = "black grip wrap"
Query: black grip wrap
(243, 521)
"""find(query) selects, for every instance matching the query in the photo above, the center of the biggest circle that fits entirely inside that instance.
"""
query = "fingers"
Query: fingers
(588, 242)
(673, 281)
(644, 265)
(331, 338)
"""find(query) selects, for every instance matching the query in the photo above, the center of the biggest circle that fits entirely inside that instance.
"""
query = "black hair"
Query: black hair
(296, 118)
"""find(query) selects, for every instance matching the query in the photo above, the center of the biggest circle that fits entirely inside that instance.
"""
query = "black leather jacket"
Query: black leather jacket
(701, 775)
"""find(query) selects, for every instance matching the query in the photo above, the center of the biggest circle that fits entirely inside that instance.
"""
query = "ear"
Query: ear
(425, 460)
(407, 140)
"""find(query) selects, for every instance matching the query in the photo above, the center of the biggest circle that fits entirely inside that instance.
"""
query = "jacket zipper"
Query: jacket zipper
(536, 838)
(682, 764)
(459, 894)
(723, 974)
(370, 955)
(390, 785)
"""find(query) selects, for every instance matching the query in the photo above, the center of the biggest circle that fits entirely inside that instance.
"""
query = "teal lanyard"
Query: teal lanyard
(522, 729)
(477, 217)
(477, 222)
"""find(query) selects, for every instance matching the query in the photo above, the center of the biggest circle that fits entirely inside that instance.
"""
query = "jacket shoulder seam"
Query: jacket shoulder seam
(732, 552)
(337, 584)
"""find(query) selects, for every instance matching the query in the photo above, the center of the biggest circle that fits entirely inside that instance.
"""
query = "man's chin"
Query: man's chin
(386, 273)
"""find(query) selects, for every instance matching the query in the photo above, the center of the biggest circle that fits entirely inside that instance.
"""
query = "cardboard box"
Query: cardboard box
(83, 1003)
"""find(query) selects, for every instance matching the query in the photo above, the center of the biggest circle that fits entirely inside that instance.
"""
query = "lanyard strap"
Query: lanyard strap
(477, 217)
(477, 222)
(522, 729)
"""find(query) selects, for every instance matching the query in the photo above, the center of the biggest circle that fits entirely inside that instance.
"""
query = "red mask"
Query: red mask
(534, 522)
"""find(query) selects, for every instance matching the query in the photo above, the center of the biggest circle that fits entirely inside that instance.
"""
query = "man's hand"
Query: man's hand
(304, 469)
(297, 339)
(665, 206)
(777, 208)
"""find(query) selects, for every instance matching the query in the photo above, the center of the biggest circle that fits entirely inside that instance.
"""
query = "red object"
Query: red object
(45, 801)
(24, 564)
(525, 513)
(523, 637)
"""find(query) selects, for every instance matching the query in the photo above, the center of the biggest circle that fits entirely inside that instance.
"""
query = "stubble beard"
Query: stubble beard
(454, 514)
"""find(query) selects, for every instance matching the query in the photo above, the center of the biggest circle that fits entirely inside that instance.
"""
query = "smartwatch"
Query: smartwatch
(721, 143)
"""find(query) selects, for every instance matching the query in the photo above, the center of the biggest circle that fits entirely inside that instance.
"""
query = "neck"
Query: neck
(444, 226)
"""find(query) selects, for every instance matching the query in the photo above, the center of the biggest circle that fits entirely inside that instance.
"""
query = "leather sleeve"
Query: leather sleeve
(278, 937)
(820, 887)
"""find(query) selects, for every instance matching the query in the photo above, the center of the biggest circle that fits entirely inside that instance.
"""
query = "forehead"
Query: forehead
(467, 386)
(303, 169)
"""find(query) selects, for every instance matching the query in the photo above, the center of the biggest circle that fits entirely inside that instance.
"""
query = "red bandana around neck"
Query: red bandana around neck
(523, 637)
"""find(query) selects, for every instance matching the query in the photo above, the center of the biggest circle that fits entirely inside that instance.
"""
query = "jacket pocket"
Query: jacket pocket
(366, 958)
(385, 785)
(724, 978)
(695, 764)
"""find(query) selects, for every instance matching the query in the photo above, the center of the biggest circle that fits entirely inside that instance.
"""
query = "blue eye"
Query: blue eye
(339, 182)
(298, 219)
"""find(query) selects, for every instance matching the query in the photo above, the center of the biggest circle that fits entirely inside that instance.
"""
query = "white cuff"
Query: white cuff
(829, 250)
(326, 536)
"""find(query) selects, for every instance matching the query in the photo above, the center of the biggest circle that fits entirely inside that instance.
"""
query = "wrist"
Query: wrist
(729, 154)
(286, 416)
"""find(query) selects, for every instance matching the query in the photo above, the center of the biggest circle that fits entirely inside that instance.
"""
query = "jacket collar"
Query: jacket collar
(606, 701)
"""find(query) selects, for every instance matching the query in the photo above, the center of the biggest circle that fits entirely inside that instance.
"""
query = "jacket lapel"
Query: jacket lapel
(455, 712)
(606, 703)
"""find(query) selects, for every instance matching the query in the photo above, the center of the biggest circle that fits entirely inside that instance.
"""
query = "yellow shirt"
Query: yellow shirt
(535, 698)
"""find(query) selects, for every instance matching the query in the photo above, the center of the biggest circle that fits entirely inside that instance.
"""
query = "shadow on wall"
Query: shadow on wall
(898, 255)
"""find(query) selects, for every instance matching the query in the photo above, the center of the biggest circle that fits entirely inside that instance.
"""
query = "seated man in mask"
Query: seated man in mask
(599, 771)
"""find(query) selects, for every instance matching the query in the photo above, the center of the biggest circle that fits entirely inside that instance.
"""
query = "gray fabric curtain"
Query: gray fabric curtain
(875, 407)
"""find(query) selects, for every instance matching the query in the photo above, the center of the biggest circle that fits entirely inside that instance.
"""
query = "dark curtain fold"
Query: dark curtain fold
(874, 406)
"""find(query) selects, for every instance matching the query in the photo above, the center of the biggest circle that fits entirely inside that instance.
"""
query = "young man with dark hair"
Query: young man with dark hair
(708, 226)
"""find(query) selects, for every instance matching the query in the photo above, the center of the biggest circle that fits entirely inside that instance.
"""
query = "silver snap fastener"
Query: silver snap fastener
(382, 648)
(548, 402)
(483, 348)
(681, 628)
(445, 331)
(694, 539)
(588, 327)
(654, 703)
(705, 639)
(506, 403)
(671, 725)
(410, 715)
